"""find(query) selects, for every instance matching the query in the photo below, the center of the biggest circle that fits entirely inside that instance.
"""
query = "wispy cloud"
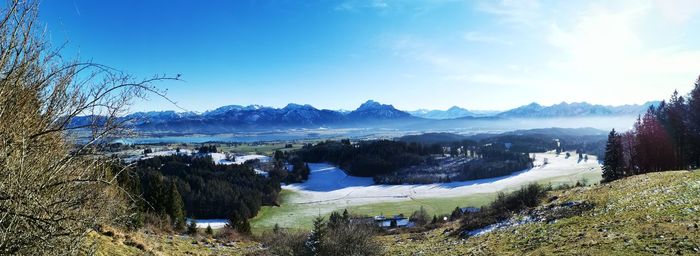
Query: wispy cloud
(414, 7)
(519, 12)
(474, 36)
(77, 11)
(357, 5)
(412, 48)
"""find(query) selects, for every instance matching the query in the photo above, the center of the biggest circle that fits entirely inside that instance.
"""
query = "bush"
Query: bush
(351, 239)
(420, 217)
(286, 243)
(504, 206)
(192, 228)
(337, 236)
(229, 234)
(158, 223)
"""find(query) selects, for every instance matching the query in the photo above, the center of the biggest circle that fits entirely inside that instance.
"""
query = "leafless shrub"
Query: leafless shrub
(286, 243)
(51, 192)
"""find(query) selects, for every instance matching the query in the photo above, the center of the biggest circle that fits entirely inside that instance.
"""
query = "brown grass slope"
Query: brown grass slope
(651, 214)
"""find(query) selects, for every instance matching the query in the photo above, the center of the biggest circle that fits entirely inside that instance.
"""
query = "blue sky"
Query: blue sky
(410, 53)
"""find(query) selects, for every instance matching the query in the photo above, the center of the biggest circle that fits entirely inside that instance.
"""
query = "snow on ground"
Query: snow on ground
(171, 152)
(214, 223)
(137, 154)
(220, 158)
(242, 159)
(328, 184)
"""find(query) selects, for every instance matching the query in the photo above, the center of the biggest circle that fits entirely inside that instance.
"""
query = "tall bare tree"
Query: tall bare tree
(54, 185)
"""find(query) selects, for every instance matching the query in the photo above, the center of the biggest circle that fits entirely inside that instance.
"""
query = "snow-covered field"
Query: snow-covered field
(330, 185)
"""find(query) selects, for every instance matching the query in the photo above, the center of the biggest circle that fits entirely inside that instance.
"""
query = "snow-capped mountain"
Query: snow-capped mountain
(372, 110)
(224, 109)
(576, 109)
(451, 113)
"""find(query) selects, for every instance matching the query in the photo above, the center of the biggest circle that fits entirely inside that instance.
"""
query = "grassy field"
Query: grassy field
(300, 217)
(652, 214)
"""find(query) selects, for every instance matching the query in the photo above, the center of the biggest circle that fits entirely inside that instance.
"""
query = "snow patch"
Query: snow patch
(328, 184)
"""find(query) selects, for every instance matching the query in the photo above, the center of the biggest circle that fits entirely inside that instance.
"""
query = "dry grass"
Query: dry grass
(109, 241)
(650, 214)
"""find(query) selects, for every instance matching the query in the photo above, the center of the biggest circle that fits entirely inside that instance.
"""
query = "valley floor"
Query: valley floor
(330, 189)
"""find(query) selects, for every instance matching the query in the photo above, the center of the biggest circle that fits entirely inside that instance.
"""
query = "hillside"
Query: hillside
(648, 214)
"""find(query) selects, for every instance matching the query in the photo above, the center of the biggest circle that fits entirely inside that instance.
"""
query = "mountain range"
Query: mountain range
(255, 116)
(576, 109)
(369, 114)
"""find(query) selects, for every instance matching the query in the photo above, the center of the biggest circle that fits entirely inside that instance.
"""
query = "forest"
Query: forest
(666, 137)
(367, 158)
(206, 190)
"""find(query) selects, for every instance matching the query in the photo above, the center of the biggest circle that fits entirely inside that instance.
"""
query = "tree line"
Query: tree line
(367, 158)
(666, 137)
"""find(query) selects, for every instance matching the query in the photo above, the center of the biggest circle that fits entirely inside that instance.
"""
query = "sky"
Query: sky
(414, 54)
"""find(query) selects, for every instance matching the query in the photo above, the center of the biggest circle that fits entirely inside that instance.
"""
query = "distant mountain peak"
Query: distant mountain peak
(375, 110)
(292, 106)
(371, 104)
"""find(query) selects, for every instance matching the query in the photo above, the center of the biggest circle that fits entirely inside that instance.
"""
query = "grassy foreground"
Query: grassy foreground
(142, 244)
(652, 214)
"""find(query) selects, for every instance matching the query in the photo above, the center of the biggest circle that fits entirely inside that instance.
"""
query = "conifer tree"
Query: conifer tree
(613, 163)
(209, 231)
(694, 125)
(346, 215)
(244, 227)
(175, 207)
(315, 239)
